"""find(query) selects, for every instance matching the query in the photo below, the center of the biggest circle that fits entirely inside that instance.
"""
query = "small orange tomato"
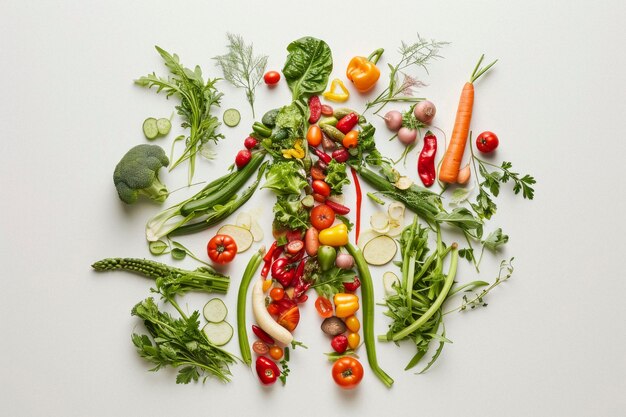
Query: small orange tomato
(351, 139)
(353, 324)
(277, 294)
(267, 284)
(314, 136)
(276, 353)
(353, 340)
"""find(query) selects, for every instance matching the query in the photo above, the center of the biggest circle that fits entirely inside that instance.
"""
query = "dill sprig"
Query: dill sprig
(241, 68)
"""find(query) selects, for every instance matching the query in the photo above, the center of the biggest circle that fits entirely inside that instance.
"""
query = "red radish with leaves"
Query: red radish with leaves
(242, 158)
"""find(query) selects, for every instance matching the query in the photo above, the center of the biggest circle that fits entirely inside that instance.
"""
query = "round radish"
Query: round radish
(406, 135)
(393, 120)
(424, 111)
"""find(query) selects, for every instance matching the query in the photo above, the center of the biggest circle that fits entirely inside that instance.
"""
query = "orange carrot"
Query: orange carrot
(449, 170)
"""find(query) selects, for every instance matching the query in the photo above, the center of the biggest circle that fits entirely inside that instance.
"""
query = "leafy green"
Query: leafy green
(290, 117)
(336, 176)
(495, 240)
(327, 283)
(290, 214)
(197, 99)
(463, 219)
(179, 343)
(308, 67)
(285, 178)
(241, 68)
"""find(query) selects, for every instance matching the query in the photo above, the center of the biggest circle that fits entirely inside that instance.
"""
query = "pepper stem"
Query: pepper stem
(375, 56)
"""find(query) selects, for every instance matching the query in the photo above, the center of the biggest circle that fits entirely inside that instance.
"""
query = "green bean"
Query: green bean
(242, 332)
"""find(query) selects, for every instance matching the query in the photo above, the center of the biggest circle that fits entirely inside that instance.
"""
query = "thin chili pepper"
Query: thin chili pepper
(321, 155)
(357, 186)
(426, 160)
(337, 208)
(300, 270)
(266, 268)
(296, 257)
(277, 252)
(270, 253)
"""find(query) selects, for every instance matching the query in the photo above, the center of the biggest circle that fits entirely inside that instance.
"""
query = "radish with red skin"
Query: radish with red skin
(393, 120)
(425, 111)
(250, 142)
(242, 158)
(407, 136)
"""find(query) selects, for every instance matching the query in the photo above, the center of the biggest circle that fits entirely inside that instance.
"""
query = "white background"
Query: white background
(550, 343)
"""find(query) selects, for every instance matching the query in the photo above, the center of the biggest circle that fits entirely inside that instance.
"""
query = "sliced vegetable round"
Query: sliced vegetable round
(260, 348)
(242, 237)
(389, 280)
(324, 307)
(365, 236)
(164, 125)
(380, 250)
(218, 333)
(333, 326)
(150, 128)
(231, 117)
(215, 310)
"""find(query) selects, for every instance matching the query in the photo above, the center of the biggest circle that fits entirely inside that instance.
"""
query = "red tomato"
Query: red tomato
(222, 249)
(347, 372)
(322, 217)
(277, 294)
(487, 142)
(271, 77)
(260, 348)
(324, 307)
(321, 188)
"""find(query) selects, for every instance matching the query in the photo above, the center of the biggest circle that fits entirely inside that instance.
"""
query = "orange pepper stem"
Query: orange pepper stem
(375, 56)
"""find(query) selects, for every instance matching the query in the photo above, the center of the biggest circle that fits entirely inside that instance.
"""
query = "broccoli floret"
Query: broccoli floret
(137, 174)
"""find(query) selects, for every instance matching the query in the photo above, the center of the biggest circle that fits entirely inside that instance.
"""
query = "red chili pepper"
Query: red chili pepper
(337, 208)
(321, 155)
(315, 109)
(270, 252)
(352, 286)
(347, 123)
(266, 268)
(297, 256)
(426, 160)
(302, 299)
(357, 185)
(260, 333)
(267, 370)
(277, 252)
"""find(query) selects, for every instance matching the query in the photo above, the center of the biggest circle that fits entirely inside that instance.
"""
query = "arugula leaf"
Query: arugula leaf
(308, 67)
(336, 176)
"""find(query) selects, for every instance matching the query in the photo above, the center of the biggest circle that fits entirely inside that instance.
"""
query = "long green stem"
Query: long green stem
(242, 332)
(438, 301)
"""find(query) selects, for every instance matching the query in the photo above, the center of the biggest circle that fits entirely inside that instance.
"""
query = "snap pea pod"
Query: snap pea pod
(367, 297)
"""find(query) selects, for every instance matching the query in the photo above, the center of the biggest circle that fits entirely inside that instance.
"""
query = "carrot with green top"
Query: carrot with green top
(449, 170)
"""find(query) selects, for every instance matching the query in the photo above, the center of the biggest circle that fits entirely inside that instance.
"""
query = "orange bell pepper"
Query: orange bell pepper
(363, 72)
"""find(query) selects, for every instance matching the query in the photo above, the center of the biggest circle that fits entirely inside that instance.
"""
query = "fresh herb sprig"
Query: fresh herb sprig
(418, 54)
(197, 100)
(241, 67)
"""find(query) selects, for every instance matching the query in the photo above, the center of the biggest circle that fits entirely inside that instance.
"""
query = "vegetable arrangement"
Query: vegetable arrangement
(301, 152)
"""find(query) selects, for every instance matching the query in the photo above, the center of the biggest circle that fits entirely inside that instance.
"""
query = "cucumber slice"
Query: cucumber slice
(389, 280)
(164, 125)
(380, 250)
(218, 333)
(231, 117)
(243, 237)
(215, 310)
(150, 128)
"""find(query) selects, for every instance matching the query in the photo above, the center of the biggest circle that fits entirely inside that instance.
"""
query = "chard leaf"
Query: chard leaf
(308, 67)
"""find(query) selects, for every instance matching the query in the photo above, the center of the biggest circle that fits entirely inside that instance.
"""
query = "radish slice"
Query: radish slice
(365, 236)
(244, 220)
(395, 228)
(380, 222)
(243, 238)
(389, 279)
(403, 183)
(257, 232)
(380, 250)
(339, 199)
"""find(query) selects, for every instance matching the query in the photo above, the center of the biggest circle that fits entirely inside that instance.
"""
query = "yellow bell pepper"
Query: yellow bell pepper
(363, 71)
(345, 304)
(334, 96)
(334, 236)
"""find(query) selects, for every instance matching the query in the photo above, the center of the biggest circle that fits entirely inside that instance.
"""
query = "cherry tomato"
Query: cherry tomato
(317, 174)
(322, 217)
(271, 77)
(321, 187)
(314, 136)
(319, 198)
(324, 307)
(487, 142)
(273, 309)
(347, 372)
(260, 348)
(327, 110)
(351, 139)
(353, 324)
(353, 340)
(222, 249)
(276, 353)
(277, 294)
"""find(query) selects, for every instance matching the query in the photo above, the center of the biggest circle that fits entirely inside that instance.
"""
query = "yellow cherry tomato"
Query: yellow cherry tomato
(353, 340)
(353, 324)
(276, 352)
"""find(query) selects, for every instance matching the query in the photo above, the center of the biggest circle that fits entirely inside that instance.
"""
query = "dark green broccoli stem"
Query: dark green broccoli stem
(170, 280)
(367, 296)
(214, 217)
(438, 302)
(225, 193)
(242, 333)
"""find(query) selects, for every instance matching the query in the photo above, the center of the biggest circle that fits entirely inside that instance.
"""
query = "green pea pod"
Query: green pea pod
(262, 130)
(333, 133)
(326, 256)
